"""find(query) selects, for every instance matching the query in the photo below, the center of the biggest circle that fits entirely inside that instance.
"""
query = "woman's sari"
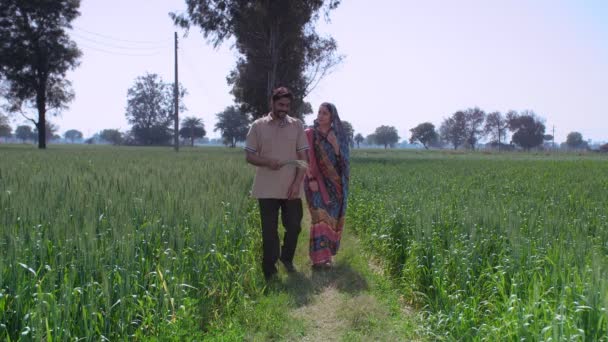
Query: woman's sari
(328, 205)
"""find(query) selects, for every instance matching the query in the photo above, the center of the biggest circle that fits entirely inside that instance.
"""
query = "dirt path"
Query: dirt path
(350, 302)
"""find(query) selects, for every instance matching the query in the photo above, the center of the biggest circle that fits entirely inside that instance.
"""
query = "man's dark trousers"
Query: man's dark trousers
(291, 215)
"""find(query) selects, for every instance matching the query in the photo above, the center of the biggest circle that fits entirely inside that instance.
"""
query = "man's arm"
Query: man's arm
(254, 159)
(294, 189)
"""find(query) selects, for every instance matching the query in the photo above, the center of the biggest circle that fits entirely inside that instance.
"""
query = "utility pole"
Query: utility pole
(176, 104)
(553, 138)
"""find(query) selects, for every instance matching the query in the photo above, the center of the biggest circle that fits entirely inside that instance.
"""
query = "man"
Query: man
(272, 141)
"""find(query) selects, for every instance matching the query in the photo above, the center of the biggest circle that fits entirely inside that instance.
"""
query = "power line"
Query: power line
(122, 40)
(109, 45)
(194, 72)
(118, 53)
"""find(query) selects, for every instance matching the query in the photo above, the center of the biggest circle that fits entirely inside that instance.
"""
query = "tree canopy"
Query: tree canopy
(425, 134)
(528, 130)
(386, 135)
(150, 107)
(35, 54)
(192, 128)
(277, 42)
(233, 125)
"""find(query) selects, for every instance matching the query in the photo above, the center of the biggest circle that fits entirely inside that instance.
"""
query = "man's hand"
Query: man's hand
(294, 191)
(274, 164)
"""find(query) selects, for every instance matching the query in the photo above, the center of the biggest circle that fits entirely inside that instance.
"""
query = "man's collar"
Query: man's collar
(282, 122)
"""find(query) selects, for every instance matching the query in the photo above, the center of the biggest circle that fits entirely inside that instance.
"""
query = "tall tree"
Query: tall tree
(528, 130)
(496, 126)
(73, 135)
(233, 125)
(474, 118)
(370, 139)
(348, 129)
(359, 139)
(150, 110)
(453, 130)
(35, 54)
(192, 128)
(113, 136)
(24, 133)
(277, 43)
(425, 134)
(574, 140)
(5, 127)
(386, 135)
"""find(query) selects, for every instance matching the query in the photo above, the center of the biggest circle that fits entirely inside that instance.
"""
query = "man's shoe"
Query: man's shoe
(270, 274)
(289, 266)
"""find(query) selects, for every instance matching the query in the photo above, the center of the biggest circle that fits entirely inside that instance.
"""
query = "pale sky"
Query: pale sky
(406, 62)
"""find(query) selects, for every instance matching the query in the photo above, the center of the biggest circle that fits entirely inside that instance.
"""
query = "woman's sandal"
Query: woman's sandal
(323, 266)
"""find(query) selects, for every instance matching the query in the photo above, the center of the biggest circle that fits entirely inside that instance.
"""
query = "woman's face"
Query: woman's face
(324, 116)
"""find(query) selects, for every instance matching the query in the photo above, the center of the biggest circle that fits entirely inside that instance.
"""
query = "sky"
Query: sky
(406, 62)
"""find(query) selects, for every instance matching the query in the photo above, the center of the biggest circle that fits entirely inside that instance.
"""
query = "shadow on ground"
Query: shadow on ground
(302, 286)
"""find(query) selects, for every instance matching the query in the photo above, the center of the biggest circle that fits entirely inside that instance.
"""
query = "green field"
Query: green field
(133, 243)
(104, 243)
(491, 247)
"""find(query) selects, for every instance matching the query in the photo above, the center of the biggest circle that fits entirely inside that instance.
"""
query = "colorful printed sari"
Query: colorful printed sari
(328, 205)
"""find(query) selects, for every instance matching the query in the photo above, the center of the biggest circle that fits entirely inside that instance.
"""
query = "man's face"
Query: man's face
(280, 107)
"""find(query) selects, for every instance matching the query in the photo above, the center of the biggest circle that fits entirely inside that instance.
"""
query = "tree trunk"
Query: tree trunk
(274, 58)
(41, 124)
(498, 139)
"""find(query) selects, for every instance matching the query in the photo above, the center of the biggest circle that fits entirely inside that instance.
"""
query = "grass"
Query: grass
(499, 247)
(349, 303)
(105, 243)
(110, 243)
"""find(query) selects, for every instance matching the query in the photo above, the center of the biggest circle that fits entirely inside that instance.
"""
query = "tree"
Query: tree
(50, 132)
(348, 129)
(528, 130)
(425, 134)
(5, 128)
(113, 136)
(277, 43)
(370, 139)
(192, 128)
(35, 54)
(233, 125)
(73, 135)
(574, 140)
(386, 135)
(150, 110)
(453, 130)
(604, 148)
(474, 118)
(496, 126)
(359, 139)
(24, 133)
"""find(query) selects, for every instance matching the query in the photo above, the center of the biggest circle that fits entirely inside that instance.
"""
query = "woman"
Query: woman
(326, 184)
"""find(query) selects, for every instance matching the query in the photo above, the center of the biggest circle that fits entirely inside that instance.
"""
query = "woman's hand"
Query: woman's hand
(314, 187)
(331, 137)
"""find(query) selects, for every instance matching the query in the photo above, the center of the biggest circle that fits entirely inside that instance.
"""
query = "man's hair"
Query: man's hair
(280, 93)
